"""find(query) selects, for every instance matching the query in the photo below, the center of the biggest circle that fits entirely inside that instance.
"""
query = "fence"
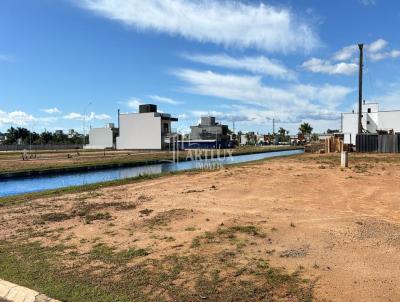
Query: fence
(381, 143)
(38, 147)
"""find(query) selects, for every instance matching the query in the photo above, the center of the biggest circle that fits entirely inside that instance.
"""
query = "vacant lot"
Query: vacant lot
(287, 229)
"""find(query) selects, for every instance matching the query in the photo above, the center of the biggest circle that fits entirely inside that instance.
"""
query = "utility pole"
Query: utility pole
(273, 125)
(360, 89)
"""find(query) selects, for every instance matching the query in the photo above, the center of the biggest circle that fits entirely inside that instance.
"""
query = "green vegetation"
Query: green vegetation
(305, 128)
(108, 254)
(107, 274)
(227, 233)
(25, 136)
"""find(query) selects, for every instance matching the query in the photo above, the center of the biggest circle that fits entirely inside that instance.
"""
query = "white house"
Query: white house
(145, 130)
(372, 121)
(101, 138)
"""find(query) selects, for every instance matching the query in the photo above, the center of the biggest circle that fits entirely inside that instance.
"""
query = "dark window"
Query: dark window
(367, 122)
(369, 110)
(166, 128)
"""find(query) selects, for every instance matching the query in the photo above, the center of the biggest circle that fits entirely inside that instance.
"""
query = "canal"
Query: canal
(21, 185)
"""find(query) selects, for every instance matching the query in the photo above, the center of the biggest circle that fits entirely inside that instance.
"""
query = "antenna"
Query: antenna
(360, 89)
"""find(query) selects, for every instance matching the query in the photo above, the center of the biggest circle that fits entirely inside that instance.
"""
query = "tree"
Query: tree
(283, 134)
(26, 137)
(17, 134)
(46, 137)
(281, 131)
(305, 128)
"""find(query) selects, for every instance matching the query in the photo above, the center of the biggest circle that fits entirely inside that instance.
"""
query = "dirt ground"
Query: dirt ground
(340, 228)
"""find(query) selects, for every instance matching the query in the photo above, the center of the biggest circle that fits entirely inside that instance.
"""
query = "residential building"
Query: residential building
(373, 120)
(209, 129)
(72, 133)
(102, 138)
(146, 130)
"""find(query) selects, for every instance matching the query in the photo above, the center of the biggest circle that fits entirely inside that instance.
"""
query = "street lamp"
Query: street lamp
(33, 124)
(84, 124)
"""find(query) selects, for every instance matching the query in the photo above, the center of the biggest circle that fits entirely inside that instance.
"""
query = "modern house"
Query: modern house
(208, 134)
(145, 130)
(373, 121)
(102, 138)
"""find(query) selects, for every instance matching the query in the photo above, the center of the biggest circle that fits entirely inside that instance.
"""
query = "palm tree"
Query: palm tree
(305, 128)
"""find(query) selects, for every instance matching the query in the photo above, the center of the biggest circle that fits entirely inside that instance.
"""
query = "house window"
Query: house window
(367, 122)
(369, 110)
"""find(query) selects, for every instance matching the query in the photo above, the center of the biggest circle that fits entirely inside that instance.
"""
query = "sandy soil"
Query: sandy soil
(340, 227)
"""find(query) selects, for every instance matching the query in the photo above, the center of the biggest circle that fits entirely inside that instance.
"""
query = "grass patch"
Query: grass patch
(89, 218)
(54, 217)
(228, 233)
(190, 229)
(146, 212)
(107, 275)
(164, 218)
(107, 254)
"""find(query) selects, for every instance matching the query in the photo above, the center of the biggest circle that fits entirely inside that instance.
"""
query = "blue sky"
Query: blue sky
(243, 61)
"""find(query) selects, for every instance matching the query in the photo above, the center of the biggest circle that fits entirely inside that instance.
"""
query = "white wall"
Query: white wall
(389, 120)
(350, 127)
(139, 131)
(373, 121)
(243, 139)
(100, 138)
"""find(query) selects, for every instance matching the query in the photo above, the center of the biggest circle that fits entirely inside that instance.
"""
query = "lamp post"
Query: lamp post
(84, 124)
(33, 124)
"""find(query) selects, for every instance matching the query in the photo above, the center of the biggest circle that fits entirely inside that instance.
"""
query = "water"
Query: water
(15, 186)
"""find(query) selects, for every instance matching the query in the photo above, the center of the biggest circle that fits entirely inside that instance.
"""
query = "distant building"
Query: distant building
(102, 138)
(145, 130)
(2, 138)
(72, 133)
(209, 129)
(59, 132)
(372, 121)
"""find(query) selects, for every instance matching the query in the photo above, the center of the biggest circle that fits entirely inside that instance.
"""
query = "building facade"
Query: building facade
(102, 138)
(145, 130)
(208, 129)
(372, 121)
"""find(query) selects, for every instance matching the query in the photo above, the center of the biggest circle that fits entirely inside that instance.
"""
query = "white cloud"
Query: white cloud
(51, 110)
(376, 51)
(290, 102)
(377, 46)
(92, 116)
(134, 103)
(258, 65)
(320, 66)
(17, 118)
(229, 23)
(222, 116)
(164, 100)
(346, 53)
(378, 56)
